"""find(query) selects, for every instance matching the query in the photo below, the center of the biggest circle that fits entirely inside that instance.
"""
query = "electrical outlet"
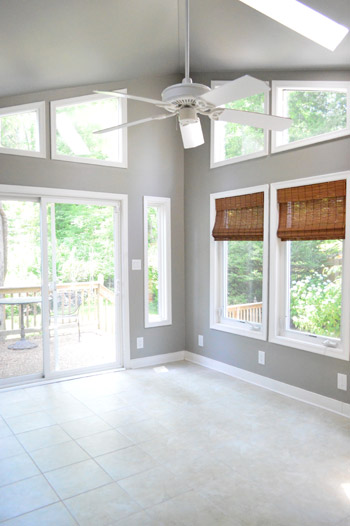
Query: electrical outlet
(261, 358)
(200, 340)
(139, 343)
(342, 382)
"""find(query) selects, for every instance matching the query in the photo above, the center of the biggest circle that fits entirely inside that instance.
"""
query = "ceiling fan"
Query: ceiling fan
(188, 100)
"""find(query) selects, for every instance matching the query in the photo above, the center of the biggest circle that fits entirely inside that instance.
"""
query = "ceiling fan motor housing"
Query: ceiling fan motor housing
(185, 95)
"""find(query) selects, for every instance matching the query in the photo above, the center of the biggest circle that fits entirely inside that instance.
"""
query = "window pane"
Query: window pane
(20, 131)
(244, 279)
(76, 123)
(235, 140)
(313, 113)
(315, 286)
(153, 262)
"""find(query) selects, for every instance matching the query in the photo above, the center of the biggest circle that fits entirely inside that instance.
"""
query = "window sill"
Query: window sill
(161, 323)
(240, 159)
(257, 335)
(316, 139)
(339, 353)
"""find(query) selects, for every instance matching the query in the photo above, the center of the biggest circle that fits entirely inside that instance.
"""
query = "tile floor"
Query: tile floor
(175, 445)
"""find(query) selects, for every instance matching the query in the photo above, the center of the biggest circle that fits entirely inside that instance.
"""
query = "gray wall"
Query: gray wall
(155, 167)
(300, 368)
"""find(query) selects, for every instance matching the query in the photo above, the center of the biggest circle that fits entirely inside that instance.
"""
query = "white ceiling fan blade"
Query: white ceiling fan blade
(258, 120)
(132, 97)
(135, 123)
(192, 134)
(236, 89)
(303, 20)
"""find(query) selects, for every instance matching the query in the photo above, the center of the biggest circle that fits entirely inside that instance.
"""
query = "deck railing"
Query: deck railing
(251, 312)
(95, 300)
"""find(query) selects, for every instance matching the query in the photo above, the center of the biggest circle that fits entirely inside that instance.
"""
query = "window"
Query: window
(238, 265)
(73, 122)
(309, 258)
(231, 142)
(157, 240)
(22, 130)
(319, 110)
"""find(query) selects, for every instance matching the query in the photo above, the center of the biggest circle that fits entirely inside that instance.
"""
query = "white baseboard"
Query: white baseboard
(156, 359)
(291, 391)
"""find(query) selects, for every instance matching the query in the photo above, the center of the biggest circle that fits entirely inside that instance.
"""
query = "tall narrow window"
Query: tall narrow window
(22, 130)
(157, 240)
(310, 308)
(239, 261)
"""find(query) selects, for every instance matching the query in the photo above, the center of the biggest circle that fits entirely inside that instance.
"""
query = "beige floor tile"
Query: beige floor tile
(190, 509)
(138, 519)
(126, 462)
(24, 496)
(53, 515)
(47, 436)
(105, 442)
(153, 486)
(58, 456)
(28, 422)
(9, 447)
(143, 431)
(83, 427)
(17, 468)
(77, 478)
(102, 505)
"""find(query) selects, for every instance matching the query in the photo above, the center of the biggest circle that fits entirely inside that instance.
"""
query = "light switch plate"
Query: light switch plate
(200, 340)
(261, 358)
(136, 264)
(139, 343)
(342, 382)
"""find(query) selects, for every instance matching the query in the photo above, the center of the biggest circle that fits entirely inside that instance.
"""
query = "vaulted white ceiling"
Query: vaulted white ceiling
(48, 44)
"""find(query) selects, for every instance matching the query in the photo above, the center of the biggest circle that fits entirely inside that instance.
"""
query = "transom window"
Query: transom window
(231, 142)
(73, 122)
(319, 110)
(22, 130)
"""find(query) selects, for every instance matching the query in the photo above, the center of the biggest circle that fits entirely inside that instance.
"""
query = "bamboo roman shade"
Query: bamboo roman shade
(240, 218)
(314, 211)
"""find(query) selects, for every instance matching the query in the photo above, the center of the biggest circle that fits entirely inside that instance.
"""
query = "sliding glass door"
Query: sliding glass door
(60, 287)
(21, 348)
(83, 270)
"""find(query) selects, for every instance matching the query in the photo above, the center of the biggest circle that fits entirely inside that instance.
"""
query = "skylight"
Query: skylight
(303, 20)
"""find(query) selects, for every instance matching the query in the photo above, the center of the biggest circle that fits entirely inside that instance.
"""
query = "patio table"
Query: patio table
(22, 343)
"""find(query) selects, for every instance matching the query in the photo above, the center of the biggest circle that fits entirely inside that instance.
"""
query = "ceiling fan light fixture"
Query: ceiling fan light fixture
(188, 116)
(192, 134)
(302, 19)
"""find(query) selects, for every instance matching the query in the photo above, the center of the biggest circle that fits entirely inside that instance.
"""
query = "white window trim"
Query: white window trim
(164, 290)
(241, 158)
(24, 108)
(277, 109)
(75, 159)
(216, 300)
(277, 278)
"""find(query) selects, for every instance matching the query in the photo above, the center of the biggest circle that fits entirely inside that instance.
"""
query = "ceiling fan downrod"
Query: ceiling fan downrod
(187, 79)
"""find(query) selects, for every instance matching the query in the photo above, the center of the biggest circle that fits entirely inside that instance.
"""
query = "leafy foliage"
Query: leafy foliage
(243, 140)
(244, 272)
(153, 277)
(315, 112)
(20, 131)
(315, 290)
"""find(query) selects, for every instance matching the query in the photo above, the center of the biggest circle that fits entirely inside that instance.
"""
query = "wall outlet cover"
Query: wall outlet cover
(139, 342)
(200, 340)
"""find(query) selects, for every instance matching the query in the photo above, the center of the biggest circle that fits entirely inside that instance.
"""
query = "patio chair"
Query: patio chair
(68, 305)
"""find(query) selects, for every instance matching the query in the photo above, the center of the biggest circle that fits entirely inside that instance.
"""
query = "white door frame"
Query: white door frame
(45, 195)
